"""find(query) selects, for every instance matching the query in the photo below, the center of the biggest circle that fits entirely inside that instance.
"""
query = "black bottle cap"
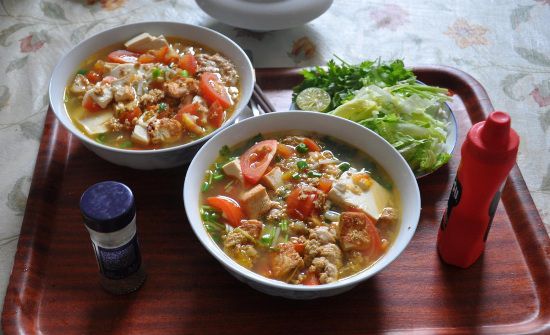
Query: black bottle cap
(107, 206)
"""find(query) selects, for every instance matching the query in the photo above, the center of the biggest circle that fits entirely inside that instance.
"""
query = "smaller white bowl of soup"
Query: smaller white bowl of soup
(301, 205)
(147, 95)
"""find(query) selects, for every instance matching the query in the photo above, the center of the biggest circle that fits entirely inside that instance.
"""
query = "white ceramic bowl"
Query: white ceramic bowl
(264, 15)
(347, 131)
(147, 159)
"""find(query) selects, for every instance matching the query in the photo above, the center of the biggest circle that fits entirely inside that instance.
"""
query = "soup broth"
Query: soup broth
(299, 207)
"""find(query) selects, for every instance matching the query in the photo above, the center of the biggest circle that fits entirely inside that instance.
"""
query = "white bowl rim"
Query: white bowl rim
(86, 139)
(350, 281)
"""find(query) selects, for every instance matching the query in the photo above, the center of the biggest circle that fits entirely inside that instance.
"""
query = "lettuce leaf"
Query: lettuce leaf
(409, 117)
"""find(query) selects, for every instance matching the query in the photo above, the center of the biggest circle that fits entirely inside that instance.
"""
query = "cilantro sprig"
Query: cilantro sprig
(341, 80)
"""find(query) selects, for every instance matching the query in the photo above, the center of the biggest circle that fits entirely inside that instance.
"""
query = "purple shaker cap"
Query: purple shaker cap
(107, 206)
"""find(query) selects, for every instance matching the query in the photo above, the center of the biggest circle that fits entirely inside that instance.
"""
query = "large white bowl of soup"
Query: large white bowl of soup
(148, 95)
(301, 205)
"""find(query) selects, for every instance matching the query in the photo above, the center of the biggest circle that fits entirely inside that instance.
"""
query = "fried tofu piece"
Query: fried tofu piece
(286, 262)
(353, 233)
(253, 227)
(273, 179)
(240, 246)
(256, 201)
(388, 217)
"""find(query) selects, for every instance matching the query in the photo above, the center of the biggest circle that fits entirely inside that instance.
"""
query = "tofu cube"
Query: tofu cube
(256, 201)
(273, 179)
(144, 42)
(140, 135)
(233, 169)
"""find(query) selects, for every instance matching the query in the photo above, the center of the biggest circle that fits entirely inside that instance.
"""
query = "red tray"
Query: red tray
(54, 286)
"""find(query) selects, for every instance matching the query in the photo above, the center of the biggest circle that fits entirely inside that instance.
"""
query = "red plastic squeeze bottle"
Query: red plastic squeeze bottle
(488, 154)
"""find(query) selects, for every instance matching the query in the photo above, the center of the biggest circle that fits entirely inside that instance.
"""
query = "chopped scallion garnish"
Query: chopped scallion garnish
(344, 166)
(225, 151)
(126, 144)
(156, 73)
(302, 148)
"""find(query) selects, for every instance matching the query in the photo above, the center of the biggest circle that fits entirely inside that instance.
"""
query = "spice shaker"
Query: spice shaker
(109, 214)
(488, 154)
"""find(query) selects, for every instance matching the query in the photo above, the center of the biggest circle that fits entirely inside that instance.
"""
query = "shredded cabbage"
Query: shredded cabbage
(409, 116)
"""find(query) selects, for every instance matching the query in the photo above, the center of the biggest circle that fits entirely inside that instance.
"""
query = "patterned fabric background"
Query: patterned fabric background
(504, 44)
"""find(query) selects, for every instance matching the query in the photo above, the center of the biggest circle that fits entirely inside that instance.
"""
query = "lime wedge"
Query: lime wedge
(313, 99)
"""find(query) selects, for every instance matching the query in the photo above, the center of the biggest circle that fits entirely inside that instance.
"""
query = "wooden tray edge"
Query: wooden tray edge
(17, 319)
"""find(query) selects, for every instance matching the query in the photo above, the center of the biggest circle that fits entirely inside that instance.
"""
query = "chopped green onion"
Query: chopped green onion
(82, 72)
(184, 73)
(162, 106)
(344, 166)
(126, 144)
(267, 238)
(225, 151)
(302, 148)
(205, 186)
(284, 225)
(301, 165)
(295, 175)
(314, 174)
(214, 216)
(156, 73)
(101, 138)
(218, 177)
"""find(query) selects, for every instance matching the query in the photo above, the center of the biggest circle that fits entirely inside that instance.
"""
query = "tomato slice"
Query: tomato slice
(230, 208)
(212, 90)
(147, 58)
(189, 123)
(300, 248)
(123, 56)
(298, 206)
(90, 104)
(189, 63)
(311, 279)
(375, 247)
(130, 115)
(311, 144)
(325, 184)
(256, 159)
(216, 114)
(93, 76)
(189, 109)
(285, 151)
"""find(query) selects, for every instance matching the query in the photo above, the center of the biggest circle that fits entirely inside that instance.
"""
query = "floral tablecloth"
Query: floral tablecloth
(505, 45)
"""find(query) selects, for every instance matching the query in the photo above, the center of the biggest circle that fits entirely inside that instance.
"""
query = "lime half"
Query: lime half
(313, 99)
